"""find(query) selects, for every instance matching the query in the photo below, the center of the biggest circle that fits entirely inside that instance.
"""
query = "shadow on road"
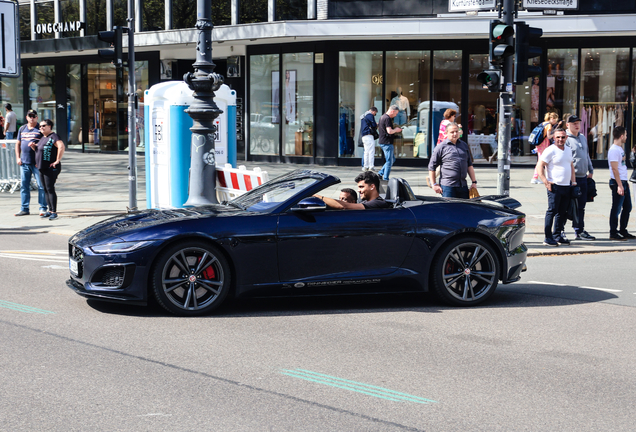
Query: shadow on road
(510, 296)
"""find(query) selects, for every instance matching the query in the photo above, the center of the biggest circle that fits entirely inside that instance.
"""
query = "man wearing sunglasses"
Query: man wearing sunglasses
(556, 170)
(28, 137)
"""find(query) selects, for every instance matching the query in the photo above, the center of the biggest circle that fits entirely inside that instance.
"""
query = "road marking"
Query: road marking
(585, 287)
(358, 387)
(31, 255)
(56, 267)
(22, 308)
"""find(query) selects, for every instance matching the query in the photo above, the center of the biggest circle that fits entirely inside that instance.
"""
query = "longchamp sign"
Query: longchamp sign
(59, 27)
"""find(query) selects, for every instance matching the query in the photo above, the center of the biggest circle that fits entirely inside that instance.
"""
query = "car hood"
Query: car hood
(117, 227)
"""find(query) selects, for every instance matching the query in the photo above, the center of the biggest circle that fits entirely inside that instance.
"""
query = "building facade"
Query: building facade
(306, 70)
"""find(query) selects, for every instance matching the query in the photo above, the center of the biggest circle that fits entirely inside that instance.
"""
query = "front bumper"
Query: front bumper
(111, 277)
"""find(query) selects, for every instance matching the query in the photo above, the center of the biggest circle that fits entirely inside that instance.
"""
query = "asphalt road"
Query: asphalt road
(554, 351)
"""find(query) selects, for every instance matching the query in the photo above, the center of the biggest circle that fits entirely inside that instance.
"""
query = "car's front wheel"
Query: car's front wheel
(465, 272)
(191, 278)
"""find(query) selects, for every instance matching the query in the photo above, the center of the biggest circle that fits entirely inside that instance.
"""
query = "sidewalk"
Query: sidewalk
(94, 186)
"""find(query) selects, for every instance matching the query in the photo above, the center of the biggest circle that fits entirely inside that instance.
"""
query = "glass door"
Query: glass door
(102, 102)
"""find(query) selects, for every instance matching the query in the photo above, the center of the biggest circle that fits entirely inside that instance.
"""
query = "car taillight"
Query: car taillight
(519, 220)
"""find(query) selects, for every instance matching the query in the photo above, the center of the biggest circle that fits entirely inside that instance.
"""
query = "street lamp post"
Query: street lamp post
(204, 82)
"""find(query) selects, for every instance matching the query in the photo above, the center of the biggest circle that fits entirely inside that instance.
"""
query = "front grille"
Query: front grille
(113, 277)
(77, 254)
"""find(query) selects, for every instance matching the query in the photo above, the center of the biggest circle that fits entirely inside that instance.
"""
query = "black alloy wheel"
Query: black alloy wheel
(465, 272)
(191, 279)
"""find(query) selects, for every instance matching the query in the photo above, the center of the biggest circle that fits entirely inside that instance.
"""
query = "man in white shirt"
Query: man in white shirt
(556, 171)
(621, 199)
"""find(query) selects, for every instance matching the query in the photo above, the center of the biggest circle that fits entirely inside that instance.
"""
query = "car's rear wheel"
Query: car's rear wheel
(465, 272)
(191, 278)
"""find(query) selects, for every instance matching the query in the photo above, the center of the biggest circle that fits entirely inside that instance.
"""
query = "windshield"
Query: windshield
(271, 194)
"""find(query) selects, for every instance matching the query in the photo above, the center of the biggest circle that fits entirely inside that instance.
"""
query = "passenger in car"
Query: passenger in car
(348, 195)
(368, 186)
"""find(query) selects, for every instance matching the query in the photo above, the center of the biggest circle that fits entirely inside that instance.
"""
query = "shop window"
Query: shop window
(252, 11)
(120, 9)
(96, 20)
(184, 14)
(46, 15)
(360, 88)
(153, 15)
(221, 12)
(11, 91)
(561, 84)
(288, 10)
(297, 118)
(69, 12)
(447, 94)
(604, 96)
(74, 106)
(102, 107)
(24, 17)
(41, 90)
(481, 126)
(264, 104)
(407, 86)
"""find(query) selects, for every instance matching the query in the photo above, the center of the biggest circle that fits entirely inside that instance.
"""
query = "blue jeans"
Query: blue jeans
(558, 202)
(619, 202)
(389, 155)
(10, 135)
(455, 191)
(25, 188)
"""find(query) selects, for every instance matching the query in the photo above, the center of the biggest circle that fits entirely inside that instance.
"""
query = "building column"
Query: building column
(56, 16)
(322, 9)
(137, 17)
(34, 19)
(234, 12)
(311, 9)
(363, 96)
(82, 17)
(271, 10)
(168, 12)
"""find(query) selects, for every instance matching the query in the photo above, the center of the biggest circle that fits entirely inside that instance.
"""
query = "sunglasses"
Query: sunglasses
(32, 115)
(43, 125)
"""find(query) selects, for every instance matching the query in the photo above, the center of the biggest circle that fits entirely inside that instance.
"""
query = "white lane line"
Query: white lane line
(56, 267)
(585, 287)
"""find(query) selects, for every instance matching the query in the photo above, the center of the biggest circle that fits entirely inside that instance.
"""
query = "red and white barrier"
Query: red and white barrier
(234, 182)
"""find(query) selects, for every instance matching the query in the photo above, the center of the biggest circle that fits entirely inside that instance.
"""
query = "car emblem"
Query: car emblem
(299, 285)
(467, 272)
(192, 278)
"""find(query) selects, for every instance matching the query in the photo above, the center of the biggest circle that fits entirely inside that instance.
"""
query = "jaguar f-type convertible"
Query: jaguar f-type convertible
(280, 240)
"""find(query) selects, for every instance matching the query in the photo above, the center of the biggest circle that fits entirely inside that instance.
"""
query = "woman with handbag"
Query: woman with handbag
(369, 133)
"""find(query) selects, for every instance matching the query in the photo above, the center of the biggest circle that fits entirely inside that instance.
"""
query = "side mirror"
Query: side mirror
(310, 204)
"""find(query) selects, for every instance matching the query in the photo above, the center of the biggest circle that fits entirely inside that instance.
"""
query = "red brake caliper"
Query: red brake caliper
(208, 272)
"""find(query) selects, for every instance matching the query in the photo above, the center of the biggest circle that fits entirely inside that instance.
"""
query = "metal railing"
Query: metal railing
(9, 169)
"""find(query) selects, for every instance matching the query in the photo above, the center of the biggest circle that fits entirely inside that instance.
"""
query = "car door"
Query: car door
(343, 243)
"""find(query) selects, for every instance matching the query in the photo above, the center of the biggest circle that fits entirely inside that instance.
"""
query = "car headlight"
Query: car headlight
(119, 247)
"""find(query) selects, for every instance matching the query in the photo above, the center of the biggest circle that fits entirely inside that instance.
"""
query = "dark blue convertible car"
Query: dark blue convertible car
(278, 240)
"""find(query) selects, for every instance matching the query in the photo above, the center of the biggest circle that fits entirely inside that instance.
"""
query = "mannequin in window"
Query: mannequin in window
(402, 103)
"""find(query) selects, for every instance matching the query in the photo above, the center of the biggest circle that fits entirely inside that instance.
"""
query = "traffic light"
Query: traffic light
(491, 79)
(499, 48)
(526, 36)
(112, 37)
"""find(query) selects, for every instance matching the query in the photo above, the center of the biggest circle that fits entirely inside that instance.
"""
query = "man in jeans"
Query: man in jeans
(621, 198)
(28, 137)
(583, 169)
(556, 170)
(10, 122)
(386, 131)
(455, 160)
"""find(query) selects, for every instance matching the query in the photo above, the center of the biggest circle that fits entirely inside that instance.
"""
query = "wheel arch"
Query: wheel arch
(217, 243)
(489, 239)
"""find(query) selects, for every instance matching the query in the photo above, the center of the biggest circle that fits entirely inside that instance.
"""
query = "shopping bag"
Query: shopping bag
(473, 193)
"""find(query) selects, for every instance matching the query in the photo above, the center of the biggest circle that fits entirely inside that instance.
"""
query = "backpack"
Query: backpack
(536, 137)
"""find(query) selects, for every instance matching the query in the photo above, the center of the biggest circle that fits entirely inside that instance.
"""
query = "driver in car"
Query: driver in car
(368, 186)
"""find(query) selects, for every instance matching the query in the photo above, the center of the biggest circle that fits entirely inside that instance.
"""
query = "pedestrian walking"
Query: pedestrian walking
(549, 123)
(453, 155)
(621, 196)
(368, 131)
(577, 142)
(556, 171)
(28, 136)
(10, 122)
(48, 158)
(386, 130)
